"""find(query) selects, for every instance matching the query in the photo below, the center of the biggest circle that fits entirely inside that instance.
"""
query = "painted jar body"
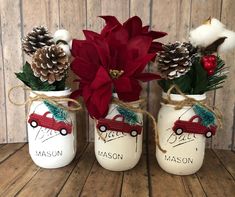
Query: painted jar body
(185, 152)
(52, 141)
(118, 144)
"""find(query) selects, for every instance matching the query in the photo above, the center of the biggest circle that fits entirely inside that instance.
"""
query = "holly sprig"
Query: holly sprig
(197, 80)
(28, 78)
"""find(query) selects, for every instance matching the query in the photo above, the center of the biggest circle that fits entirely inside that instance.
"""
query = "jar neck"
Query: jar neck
(178, 97)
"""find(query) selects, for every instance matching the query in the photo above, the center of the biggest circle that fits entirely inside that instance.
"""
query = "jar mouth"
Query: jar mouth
(178, 97)
(65, 92)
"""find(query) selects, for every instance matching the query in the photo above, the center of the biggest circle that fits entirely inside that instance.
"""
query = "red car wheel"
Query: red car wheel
(102, 128)
(208, 134)
(179, 131)
(34, 123)
(133, 133)
(63, 132)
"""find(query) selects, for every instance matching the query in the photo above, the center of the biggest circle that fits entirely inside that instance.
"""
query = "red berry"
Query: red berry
(210, 72)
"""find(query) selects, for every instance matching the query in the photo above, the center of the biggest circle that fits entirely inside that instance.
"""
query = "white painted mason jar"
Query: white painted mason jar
(184, 153)
(52, 142)
(118, 145)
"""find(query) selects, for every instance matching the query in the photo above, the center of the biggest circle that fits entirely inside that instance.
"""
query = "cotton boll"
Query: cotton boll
(216, 23)
(66, 48)
(207, 33)
(62, 34)
(229, 42)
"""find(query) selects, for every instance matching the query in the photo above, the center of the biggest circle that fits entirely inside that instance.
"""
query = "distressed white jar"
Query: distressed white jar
(185, 152)
(52, 144)
(120, 151)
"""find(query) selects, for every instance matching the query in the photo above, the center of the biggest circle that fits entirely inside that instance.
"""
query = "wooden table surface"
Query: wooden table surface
(19, 176)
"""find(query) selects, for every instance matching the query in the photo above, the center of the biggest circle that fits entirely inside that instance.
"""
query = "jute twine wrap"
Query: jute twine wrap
(188, 101)
(56, 100)
(131, 106)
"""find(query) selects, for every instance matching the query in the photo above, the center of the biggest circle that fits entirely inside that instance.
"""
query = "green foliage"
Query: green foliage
(215, 81)
(130, 116)
(197, 81)
(28, 78)
(208, 118)
(58, 113)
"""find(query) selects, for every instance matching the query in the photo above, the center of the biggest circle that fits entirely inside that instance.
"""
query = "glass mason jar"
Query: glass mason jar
(184, 152)
(52, 141)
(118, 144)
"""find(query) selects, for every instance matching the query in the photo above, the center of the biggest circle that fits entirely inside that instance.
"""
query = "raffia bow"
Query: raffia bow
(131, 107)
(188, 101)
(41, 97)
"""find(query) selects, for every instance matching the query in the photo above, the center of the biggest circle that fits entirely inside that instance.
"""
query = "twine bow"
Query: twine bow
(130, 106)
(41, 97)
(188, 101)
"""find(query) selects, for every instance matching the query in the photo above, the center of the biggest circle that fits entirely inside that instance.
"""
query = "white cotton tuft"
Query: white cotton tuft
(217, 24)
(229, 42)
(207, 33)
(62, 34)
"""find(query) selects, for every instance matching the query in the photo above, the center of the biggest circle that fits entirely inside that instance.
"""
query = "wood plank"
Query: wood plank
(102, 182)
(56, 178)
(200, 11)
(193, 186)
(214, 178)
(77, 179)
(162, 183)
(94, 24)
(222, 140)
(227, 158)
(3, 128)
(8, 150)
(135, 181)
(12, 59)
(16, 172)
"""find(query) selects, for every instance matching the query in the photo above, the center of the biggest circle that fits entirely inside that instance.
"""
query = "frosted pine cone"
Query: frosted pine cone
(50, 64)
(37, 38)
(176, 59)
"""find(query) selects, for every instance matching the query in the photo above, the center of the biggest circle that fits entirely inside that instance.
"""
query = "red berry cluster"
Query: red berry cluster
(209, 63)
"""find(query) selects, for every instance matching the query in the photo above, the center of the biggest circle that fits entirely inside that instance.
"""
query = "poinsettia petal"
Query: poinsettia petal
(133, 25)
(85, 70)
(145, 29)
(101, 98)
(75, 94)
(111, 22)
(137, 66)
(156, 34)
(133, 95)
(102, 48)
(97, 101)
(122, 84)
(147, 76)
(102, 78)
(136, 48)
(155, 47)
(90, 35)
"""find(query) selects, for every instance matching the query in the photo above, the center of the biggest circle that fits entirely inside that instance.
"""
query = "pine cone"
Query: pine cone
(50, 64)
(37, 38)
(176, 59)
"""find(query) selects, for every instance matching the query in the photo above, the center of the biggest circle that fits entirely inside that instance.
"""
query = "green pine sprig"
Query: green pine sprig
(28, 78)
(197, 81)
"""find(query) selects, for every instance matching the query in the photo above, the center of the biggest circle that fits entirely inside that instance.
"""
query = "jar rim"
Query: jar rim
(178, 97)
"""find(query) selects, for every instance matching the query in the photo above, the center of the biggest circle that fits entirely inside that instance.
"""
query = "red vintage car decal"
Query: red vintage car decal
(120, 126)
(36, 120)
(190, 126)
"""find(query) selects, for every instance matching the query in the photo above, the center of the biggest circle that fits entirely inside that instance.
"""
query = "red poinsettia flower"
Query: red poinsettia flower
(133, 27)
(112, 61)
